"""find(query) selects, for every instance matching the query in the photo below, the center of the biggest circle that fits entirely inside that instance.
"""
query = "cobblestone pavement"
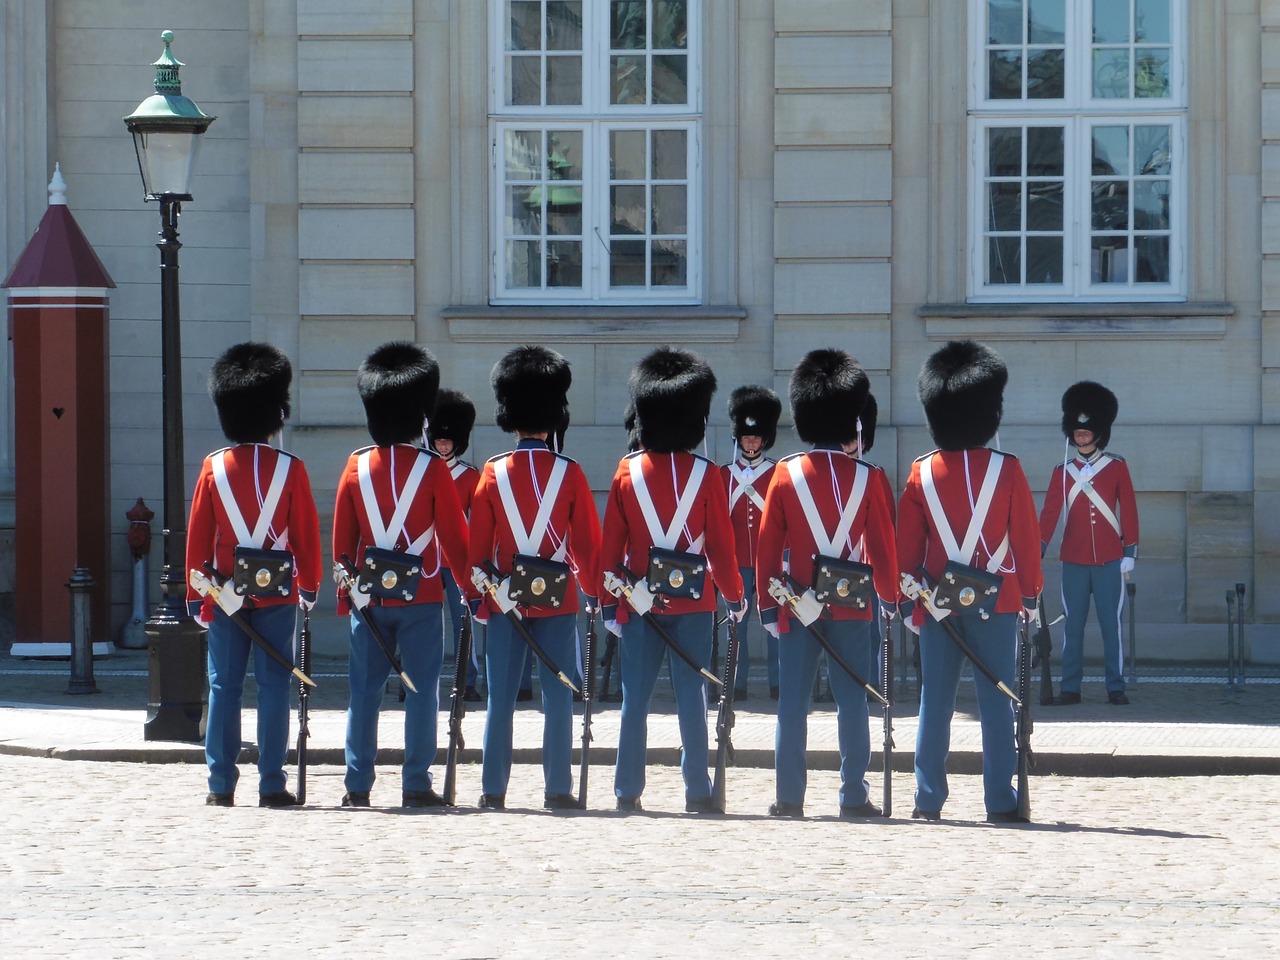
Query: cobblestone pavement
(116, 860)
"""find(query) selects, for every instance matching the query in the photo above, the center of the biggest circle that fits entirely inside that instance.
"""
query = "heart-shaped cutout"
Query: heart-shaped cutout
(59, 411)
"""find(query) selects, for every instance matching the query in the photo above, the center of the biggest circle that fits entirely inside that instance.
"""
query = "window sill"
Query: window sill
(594, 324)
(1076, 321)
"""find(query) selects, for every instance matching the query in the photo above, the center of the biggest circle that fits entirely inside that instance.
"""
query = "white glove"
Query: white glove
(614, 627)
(1032, 616)
(911, 625)
(740, 611)
(306, 605)
(1126, 565)
(641, 599)
(809, 608)
(772, 630)
(888, 612)
(501, 596)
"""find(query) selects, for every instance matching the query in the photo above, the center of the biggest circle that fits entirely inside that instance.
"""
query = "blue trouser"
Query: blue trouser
(642, 653)
(798, 655)
(228, 663)
(1106, 584)
(505, 660)
(457, 609)
(744, 633)
(995, 641)
(418, 631)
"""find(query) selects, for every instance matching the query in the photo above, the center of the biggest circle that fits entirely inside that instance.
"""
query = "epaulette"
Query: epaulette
(871, 464)
(1113, 456)
(213, 453)
(469, 465)
(790, 456)
(926, 456)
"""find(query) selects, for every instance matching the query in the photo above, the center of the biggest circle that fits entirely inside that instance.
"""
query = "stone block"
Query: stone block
(355, 233)
(827, 62)
(1266, 458)
(833, 176)
(866, 338)
(360, 122)
(342, 344)
(356, 289)
(1219, 525)
(833, 232)
(824, 289)
(355, 66)
(833, 119)
(355, 178)
(344, 19)
(821, 16)
(1227, 458)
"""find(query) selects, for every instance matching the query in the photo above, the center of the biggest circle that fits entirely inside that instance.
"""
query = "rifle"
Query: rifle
(1044, 654)
(778, 590)
(457, 709)
(913, 590)
(214, 585)
(588, 668)
(304, 695)
(344, 576)
(606, 666)
(886, 681)
(725, 716)
(1131, 588)
(1023, 721)
(484, 582)
(625, 586)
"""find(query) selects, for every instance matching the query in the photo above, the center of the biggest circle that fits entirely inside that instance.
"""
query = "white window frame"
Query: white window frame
(1078, 112)
(597, 119)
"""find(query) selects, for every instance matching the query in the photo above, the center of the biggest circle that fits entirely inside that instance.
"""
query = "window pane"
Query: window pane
(1110, 150)
(1109, 260)
(670, 209)
(523, 211)
(564, 264)
(627, 25)
(627, 155)
(1111, 21)
(524, 83)
(1004, 260)
(1045, 153)
(671, 24)
(564, 80)
(1044, 205)
(670, 155)
(526, 25)
(627, 209)
(1111, 74)
(1151, 205)
(523, 151)
(670, 78)
(1046, 21)
(1152, 254)
(628, 83)
(1046, 74)
(564, 161)
(1151, 152)
(626, 263)
(1004, 75)
(1151, 72)
(1044, 260)
(1110, 205)
(670, 266)
(1004, 207)
(524, 264)
(1004, 152)
(1004, 22)
(564, 25)
(1151, 21)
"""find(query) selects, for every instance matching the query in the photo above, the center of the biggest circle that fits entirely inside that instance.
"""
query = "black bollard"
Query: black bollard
(80, 585)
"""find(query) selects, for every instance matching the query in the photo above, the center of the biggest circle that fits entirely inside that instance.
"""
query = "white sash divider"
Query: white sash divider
(834, 546)
(963, 552)
(1083, 483)
(530, 541)
(667, 537)
(386, 537)
(258, 537)
(745, 488)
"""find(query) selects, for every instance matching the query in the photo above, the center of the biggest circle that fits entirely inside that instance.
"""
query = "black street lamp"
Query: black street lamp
(167, 129)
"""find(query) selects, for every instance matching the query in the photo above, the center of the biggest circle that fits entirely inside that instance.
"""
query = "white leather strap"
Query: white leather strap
(530, 541)
(668, 537)
(963, 552)
(270, 502)
(1083, 483)
(834, 546)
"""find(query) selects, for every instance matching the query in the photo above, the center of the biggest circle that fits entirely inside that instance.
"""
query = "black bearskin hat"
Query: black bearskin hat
(754, 412)
(868, 419)
(454, 417)
(531, 386)
(629, 425)
(398, 384)
(962, 389)
(671, 389)
(249, 385)
(828, 389)
(1090, 406)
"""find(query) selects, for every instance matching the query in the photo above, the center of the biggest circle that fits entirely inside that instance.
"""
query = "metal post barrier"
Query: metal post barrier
(1240, 634)
(1131, 589)
(80, 585)
(1231, 660)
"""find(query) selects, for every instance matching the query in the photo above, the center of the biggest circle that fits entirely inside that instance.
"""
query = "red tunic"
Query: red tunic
(1087, 535)
(1012, 513)
(574, 521)
(627, 538)
(830, 476)
(434, 503)
(294, 526)
(744, 511)
(465, 478)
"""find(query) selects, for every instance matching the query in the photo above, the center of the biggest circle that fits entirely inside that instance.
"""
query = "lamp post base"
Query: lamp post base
(177, 687)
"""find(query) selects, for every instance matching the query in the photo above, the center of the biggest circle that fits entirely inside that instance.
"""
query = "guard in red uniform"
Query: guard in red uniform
(535, 533)
(396, 510)
(968, 506)
(668, 506)
(753, 417)
(450, 434)
(250, 498)
(1099, 538)
(827, 512)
